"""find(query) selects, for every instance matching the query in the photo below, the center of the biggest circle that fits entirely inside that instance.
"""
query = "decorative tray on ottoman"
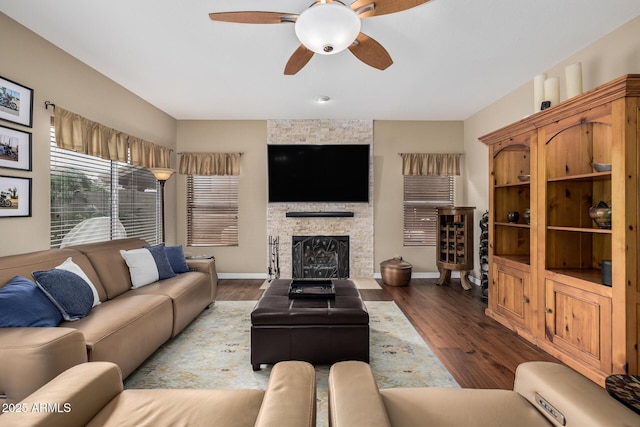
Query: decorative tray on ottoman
(312, 288)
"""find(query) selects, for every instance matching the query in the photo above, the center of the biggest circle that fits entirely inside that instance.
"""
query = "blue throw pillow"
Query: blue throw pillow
(23, 305)
(162, 262)
(177, 259)
(68, 291)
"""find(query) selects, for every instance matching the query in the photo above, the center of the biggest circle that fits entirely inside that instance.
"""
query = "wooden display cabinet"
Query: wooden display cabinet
(546, 278)
(455, 243)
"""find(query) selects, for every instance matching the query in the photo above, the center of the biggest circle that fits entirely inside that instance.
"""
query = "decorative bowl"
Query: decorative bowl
(601, 167)
(601, 215)
(513, 216)
(526, 177)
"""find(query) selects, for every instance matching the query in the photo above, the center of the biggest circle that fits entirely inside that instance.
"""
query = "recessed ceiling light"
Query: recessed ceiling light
(323, 99)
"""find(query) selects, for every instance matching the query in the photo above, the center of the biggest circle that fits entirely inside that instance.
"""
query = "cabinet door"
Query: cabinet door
(578, 323)
(511, 293)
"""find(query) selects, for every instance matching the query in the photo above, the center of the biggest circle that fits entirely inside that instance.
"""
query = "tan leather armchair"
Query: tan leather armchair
(544, 394)
(91, 394)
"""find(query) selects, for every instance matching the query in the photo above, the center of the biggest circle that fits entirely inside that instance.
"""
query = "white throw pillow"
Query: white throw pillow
(142, 267)
(71, 266)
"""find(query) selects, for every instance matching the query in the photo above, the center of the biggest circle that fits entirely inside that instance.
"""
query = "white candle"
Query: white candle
(552, 90)
(538, 91)
(573, 74)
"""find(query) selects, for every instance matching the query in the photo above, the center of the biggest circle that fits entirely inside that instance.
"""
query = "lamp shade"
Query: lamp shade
(327, 28)
(162, 174)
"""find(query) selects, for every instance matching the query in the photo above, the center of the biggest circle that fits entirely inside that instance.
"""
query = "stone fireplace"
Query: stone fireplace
(357, 227)
(320, 257)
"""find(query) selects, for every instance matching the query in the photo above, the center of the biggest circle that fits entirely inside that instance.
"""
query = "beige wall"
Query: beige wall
(616, 54)
(391, 138)
(58, 77)
(249, 259)
(250, 138)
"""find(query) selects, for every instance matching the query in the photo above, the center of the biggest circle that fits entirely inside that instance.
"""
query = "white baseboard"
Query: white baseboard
(414, 275)
(243, 276)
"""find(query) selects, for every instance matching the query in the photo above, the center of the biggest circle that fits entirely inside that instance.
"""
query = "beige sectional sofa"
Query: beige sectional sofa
(570, 400)
(91, 394)
(125, 328)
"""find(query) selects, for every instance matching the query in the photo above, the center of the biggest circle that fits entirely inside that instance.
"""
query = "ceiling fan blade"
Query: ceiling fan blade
(254, 17)
(371, 52)
(299, 59)
(383, 7)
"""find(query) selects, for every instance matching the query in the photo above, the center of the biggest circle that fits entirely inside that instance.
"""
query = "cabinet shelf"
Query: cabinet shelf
(580, 229)
(514, 184)
(582, 177)
(512, 224)
(591, 278)
(518, 259)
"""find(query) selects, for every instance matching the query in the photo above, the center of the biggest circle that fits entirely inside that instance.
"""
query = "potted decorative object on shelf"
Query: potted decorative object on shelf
(601, 215)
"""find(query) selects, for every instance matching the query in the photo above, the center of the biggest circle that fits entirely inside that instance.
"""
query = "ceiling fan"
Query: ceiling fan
(328, 27)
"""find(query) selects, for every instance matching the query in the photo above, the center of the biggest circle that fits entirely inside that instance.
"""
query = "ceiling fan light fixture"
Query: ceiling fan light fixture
(327, 28)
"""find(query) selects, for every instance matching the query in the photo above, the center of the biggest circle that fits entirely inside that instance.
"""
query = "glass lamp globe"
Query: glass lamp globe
(327, 28)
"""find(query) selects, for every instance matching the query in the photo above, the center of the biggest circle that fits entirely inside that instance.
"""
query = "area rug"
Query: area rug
(361, 283)
(214, 352)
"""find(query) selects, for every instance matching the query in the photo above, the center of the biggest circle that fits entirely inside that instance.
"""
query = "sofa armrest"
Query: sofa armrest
(30, 357)
(290, 398)
(71, 399)
(354, 398)
(580, 401)
(207, 266)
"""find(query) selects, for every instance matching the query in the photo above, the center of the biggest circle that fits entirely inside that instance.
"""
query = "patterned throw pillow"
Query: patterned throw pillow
(67, 291)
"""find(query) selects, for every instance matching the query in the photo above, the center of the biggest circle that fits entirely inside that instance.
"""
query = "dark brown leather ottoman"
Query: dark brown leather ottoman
(321, 331)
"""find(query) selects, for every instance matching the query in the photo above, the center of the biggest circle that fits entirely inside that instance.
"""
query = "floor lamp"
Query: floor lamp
(162, 175)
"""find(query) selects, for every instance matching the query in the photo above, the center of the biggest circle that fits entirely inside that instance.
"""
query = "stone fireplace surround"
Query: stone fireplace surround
(359, 227)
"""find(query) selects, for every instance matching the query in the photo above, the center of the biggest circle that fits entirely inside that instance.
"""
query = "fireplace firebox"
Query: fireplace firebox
(318, 257)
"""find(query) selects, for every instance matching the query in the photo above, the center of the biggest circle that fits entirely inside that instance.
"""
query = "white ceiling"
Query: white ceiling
(451, 57)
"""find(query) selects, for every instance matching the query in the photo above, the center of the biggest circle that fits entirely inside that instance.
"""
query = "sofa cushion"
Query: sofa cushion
(453, 407)
(109, 265)
(190, 293)
(158, 407)
(71, 266)
(143, 267)
(23, 304)
(176, 257)
(126, 329)
(68, 291)
(25, 264)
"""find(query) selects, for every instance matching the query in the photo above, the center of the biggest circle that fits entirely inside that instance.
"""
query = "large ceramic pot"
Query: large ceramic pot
(601, 215)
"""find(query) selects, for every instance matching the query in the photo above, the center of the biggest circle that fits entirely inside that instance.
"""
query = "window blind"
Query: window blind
(212, 210)
(422, 196)
(94, 199)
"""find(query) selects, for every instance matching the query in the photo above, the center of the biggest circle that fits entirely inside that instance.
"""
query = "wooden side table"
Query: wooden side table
(455, 243)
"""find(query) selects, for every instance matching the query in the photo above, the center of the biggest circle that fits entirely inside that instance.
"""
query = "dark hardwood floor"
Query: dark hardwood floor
(478, 351)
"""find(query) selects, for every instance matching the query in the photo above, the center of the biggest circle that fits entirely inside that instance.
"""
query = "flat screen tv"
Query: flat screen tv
(318, 173)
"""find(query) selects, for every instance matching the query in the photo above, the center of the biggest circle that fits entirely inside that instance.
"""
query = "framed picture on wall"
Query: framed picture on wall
(15, 196)
(15, 149)
(16, 103)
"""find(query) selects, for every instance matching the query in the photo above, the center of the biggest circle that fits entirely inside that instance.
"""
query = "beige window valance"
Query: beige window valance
(77, 133)
(430, 164)
(210, 164)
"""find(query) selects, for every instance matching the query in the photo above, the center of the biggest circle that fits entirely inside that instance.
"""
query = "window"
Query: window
(212, 210)
(95, 200)
(422, 196)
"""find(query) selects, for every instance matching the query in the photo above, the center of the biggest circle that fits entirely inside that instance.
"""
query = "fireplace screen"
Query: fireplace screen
(318, 257)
